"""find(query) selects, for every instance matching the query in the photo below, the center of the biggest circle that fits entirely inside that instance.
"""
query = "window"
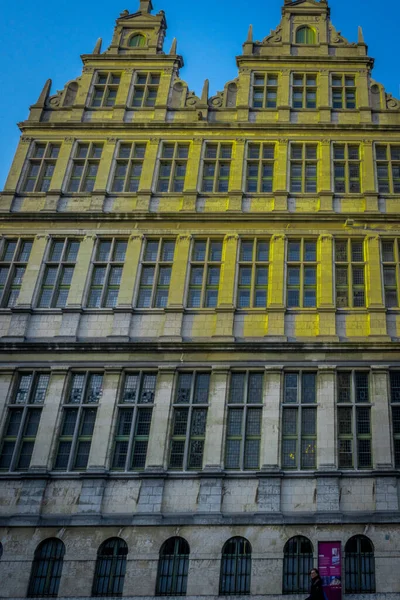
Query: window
(297, 563)
(390, 265)
(354, 420)
(305, 35)
(253, 273)
(216, 167)
(189, 421)
(46, 569)
(260, 168)
(85, 165)
(137, 41)
(346, 168)
(343, 91)
(388, 168)
(24, 411)
(243, 433)
(156, 272)
(105, 89)
(145, 90)
(350, 278)
(235, 567)
(359, 565)
(107, 273)
(14, 260)
(172, 168)
(301, 274)
(110, 568)
(128, 167)
(299, 421)
(58, 272)
(40, 168)
(173, 567)
(78, 419)
(304, 90)
(395, 402)
(265, 90)
(303, 168)
(204, 274)
(135, 408)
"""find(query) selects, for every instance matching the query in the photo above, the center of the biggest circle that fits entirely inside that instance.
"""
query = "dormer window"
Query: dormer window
(137, 41)
(305, 35)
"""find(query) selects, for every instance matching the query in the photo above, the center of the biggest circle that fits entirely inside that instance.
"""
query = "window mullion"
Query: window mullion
(19, 437)
(129, 452)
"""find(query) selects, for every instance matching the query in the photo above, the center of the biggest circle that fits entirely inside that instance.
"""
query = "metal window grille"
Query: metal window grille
(172, 167)
(299, 421)
(173, 567)
(253, 273)
(387, 159)
(24, 412)
(359, 565)
(128, 167)
(395, 402)
(350, 273)
(302, 274)
(40, 166)
(260, 168)
(58, 271)
(110, 568)
(303, 168)
(133, 425)
(297, 563)
(265, 90)
(155, 276)
(205, 270)
(14, 256)
(354, 420)
(216, 167)
(106, 277)
(46, 569)
(85, 164)
(243, 433)
(304, 90)
(189, 421)
(343, 91)
(78, 420)
(346, 168)
(105, 90)
(235, 567)
(145, 90)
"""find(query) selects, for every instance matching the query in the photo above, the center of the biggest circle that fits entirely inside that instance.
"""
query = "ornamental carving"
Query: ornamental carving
(192, 99)
(69, 140)
(305, 19)
(391, 103)
(231, 237)
(136, 236)
(217, 100)
(88, 70)
(185, 237)
(111, 140)
(275, 36)
(154, 140)
(26, 140)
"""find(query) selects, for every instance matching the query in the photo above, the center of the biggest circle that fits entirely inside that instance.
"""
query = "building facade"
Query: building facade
(200, 323)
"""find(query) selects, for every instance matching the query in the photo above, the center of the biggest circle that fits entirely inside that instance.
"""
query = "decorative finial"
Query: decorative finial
(44, 94)
(250, 34)
(204, 93)
(97, 48)
(360, 36)
(145, 6)
(124, 13)
(174, 46)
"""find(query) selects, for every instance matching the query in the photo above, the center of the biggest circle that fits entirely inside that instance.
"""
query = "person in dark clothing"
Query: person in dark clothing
(316, 591)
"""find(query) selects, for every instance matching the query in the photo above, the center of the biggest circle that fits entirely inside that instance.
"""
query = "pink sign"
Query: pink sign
(330, 569)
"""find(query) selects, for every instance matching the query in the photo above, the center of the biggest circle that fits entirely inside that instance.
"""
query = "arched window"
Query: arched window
(173, 567)
(359, 565)
(46, 569)
(235, 567)
(110, 568)
(297, 564)
(305, 35)
(137, 41)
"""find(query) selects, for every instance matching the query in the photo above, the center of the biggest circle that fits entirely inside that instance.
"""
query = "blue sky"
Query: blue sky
(41, 41)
